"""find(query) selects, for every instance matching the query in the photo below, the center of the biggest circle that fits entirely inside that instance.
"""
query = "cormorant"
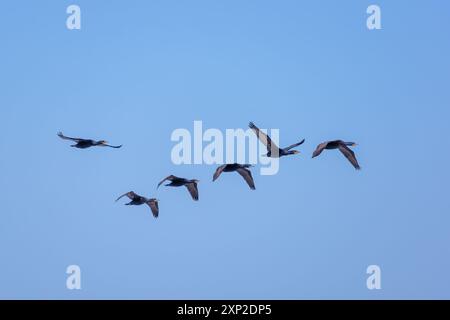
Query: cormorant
(273, 150)
(242, 169)
(87, 143)
(343, 147)
(191, 185)
(137, 200)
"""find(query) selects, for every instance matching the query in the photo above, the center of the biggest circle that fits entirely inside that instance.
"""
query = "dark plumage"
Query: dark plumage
(191, 185)
(273, 150)
(242, 169)
(343, 147)
(137, 200)
(87, 143)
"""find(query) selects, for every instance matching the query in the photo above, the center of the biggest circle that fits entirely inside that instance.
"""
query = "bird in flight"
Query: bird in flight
(343, 147)
(87, 143)
(137, 200)
(191, 185)
(242, 169)
(273, 151)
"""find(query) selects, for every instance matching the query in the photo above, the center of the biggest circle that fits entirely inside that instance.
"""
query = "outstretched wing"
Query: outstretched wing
(350, 155)
(218, 172)
(169, 178)
(193, 190)
(319, 149)
(264, 138)
(62, 136)
(130, 195)
(247, 175)
(153, 204)
(295, 145)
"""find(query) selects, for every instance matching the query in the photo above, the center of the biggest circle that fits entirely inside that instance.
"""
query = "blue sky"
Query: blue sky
(138, 70)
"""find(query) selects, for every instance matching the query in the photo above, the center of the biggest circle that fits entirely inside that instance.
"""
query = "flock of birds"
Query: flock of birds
(273, 151)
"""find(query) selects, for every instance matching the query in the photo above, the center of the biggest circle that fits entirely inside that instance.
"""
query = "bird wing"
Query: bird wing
(295, 145)
(319, 149)
(153, 204)
(247, 175)
(193, 190)
(62, 136)
(218, 172)
(169, 178)
(130, 195)
(264, 138)
(350, 155)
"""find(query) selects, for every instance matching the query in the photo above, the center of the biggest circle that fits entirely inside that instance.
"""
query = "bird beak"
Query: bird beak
(355, 144)
(296, 152)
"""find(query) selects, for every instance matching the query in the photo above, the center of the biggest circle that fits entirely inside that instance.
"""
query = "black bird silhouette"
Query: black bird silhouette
(273, 150)
(343, 147)
(242, 169)
(191, 185)
(87, 143)
(137, 200)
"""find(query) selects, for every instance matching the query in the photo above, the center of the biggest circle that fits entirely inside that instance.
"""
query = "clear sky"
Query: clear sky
(137, 70)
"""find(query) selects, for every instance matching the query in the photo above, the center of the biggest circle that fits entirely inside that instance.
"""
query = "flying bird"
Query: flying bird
(87, 143)
(242, 169)
(343, 147)
(273, 150)
(137, 200)
(191, 185)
